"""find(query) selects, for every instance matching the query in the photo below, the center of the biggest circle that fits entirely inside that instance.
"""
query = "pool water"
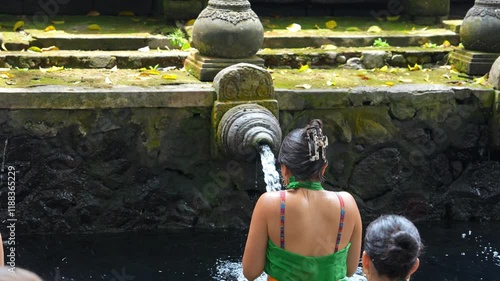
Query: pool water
(454, 252)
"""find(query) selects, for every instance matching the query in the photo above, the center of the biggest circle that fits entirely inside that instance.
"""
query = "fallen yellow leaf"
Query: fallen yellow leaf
(190, 22)
(57, 21)
(304, 68)
(328, 47)
(388, 83)
(353, 28)
(18, 25)
(169, 77)
(384, 69)
(152, 72)
(35, 49)
(331, 83)
(49, 28)
(294, 27)
(6, 75)
(303, 86)
(126, 14)
(374, 29)
(51, 48)
(94, 27)
(394, 18)
(481, 80)
(52, 69)
(401, 79)
(446, 44)
(331, 24)
(415, 67)
(316, 26)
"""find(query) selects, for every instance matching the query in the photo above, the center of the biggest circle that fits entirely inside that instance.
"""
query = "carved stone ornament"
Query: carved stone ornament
(481, 25)
(243, 82)
(228, 29)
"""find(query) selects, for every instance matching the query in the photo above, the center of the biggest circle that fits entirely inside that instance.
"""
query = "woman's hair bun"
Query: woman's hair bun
(403, 247)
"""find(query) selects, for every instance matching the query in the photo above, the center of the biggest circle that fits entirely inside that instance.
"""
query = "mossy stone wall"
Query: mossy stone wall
(140, 163)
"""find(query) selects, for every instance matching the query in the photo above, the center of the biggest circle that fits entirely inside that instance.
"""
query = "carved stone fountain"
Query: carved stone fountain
(245, 113)
(226, 32)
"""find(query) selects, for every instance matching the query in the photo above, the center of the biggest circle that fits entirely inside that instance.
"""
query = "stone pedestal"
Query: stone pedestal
(206, 68)
(473, 62)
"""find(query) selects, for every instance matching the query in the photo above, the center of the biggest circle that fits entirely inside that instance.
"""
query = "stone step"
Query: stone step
(275, 58)
(93, 59)
(109, 42)
(272, 39)
(310, 38)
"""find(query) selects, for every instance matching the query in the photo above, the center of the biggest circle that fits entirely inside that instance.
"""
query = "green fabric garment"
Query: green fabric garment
(286, 266)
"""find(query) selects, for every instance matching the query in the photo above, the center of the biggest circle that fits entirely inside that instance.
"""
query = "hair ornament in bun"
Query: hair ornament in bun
(316, 142)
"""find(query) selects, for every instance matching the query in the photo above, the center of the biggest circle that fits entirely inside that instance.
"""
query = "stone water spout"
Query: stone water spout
(245, 114)
(244, 127)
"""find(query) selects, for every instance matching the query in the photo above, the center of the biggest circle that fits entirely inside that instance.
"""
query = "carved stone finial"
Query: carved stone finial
(228, 29)
(243, 82)
(479, 31)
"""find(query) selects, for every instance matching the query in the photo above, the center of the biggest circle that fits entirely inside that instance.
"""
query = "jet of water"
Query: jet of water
(271, 176)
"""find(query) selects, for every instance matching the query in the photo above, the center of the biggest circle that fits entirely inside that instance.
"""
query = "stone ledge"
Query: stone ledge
(61, 97)
(203, 95)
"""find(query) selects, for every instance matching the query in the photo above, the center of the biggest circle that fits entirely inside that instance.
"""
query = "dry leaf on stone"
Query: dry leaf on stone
(144, 49)
(415, 67)
(374, 29)
(404, 80)
(331, 24)
(389, 83)
(303, 86)
(49, 28)
(114, 69)
(446, 44)
(18, 25)
(294, 27)
(108, 81)
(34, 49)
(304, 68)
(94, 27)
(353, 28)
(169, 77)
(52, 69)
(6, 75)
(331, 83)
(51, 48)
(328, 47)
(481, 80)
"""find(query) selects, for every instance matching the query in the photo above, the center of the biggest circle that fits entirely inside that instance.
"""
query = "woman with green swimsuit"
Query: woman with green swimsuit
(392, 246)
(304, 233)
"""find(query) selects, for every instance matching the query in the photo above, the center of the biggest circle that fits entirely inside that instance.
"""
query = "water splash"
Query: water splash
(227, 270)
(271, 176)
(232, 271)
